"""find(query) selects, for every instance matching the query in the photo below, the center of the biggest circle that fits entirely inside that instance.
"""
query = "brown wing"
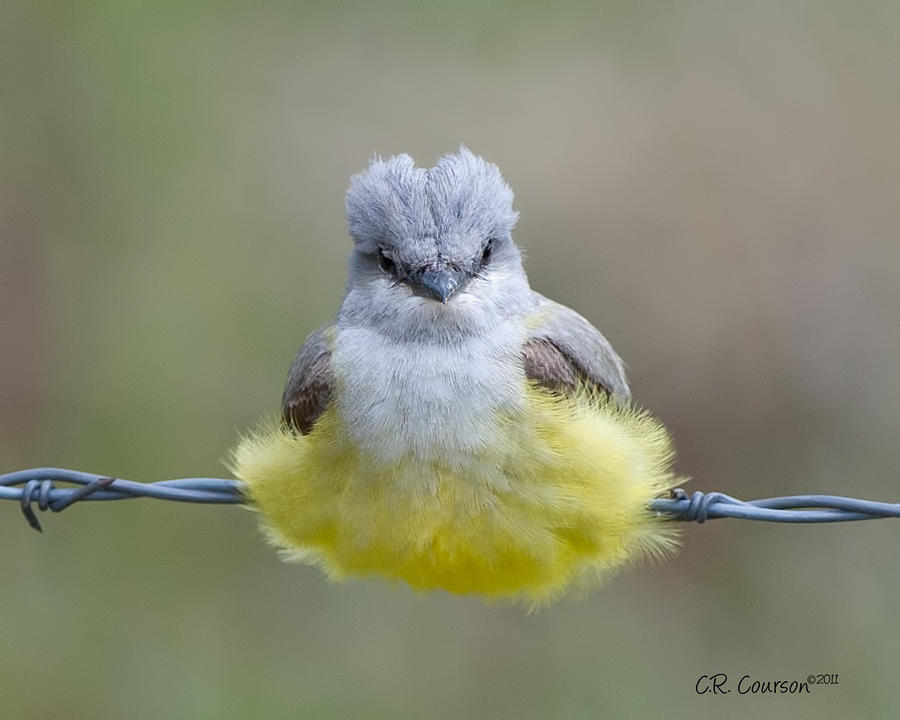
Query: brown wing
(308, 389)
(548, 365)
(565, 350)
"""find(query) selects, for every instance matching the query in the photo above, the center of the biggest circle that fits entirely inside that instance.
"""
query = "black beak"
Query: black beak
(442, 281)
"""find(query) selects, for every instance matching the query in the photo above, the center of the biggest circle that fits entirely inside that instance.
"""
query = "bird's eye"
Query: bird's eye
(488, 252)
(388, 265)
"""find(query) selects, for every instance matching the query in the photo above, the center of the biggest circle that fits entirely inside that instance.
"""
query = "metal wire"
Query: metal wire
(701, 507)
(39, 486)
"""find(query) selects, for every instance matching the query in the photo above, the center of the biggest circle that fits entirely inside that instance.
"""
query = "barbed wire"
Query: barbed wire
(39, 486)
(700, 507)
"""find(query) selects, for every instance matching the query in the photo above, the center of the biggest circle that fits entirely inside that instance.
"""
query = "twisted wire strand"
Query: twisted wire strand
(700, 507)
(38, 485)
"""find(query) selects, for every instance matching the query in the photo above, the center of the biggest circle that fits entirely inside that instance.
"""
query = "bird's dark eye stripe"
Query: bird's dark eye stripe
(488, 251)
(386, 263)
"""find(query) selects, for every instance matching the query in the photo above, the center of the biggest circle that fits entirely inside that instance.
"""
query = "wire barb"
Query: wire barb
(45, 487)
(38, 484)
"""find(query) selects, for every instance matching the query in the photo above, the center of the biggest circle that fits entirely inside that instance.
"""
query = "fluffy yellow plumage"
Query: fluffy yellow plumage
(560, 501)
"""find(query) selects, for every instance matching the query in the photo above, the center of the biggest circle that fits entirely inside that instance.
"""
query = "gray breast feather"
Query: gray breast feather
(309, 384)
(566, 349)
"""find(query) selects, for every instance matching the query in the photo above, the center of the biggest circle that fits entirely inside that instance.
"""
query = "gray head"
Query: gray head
(427, 239)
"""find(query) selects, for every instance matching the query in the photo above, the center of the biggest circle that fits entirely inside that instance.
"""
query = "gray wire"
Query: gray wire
(701, 507)
(38, 485)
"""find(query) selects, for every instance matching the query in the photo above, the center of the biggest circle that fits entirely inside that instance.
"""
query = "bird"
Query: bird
(452, 428)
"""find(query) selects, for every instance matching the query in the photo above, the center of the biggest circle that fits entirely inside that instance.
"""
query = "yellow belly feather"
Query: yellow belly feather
(557, 503)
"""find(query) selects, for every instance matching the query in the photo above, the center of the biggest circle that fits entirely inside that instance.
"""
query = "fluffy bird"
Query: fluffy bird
(453, 428)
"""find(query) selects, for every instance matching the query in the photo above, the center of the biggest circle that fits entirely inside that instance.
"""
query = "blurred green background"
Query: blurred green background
(713, 185)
